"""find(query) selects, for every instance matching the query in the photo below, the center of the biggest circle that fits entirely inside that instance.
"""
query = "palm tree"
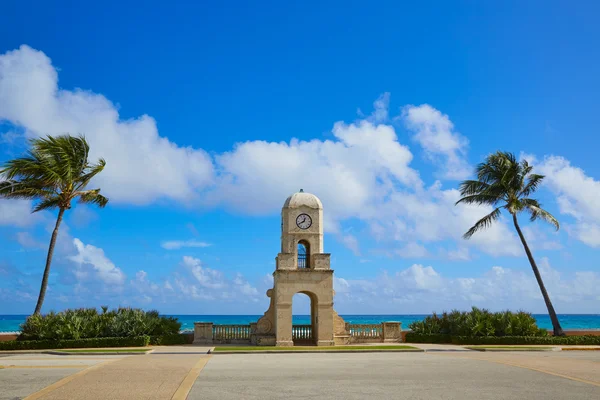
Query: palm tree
(505, 183)
(55, 171)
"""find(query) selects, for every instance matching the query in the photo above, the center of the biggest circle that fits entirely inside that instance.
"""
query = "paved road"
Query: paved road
(24, 374)
(384, 376)
(447, 375)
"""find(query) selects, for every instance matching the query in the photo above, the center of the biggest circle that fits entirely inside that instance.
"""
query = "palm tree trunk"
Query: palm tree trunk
(38, 307)
(558, 331)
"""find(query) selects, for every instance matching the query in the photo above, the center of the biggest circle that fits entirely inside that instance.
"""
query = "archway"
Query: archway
(304, 319)
(303, 254)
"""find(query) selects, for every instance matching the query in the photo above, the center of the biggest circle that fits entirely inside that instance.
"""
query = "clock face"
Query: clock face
(303, 221)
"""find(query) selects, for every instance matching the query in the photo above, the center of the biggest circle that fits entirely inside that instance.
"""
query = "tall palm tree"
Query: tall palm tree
(55, 171)
(505, 183)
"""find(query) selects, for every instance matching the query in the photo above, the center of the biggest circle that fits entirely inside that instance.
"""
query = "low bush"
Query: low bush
(139, 341)
(517, 340)
(421, 338)
(503, 340)
(87, 323)
(479, 322)
(166, 340)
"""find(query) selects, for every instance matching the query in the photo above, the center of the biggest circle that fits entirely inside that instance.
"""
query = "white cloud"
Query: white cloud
(26, 240)
(90, 256)
(347, 174)
(578, 195)
(431, 216)
(351, 242)
(537, 238)
(364, 172)
(412, 250)
(381, 108)
(460, 254)
(206, 277)
(10, 137)
(81, 215)
(435, 133)
(422, 289)
(17, 213)
(178, 244)
(192, 280)
(141, 165)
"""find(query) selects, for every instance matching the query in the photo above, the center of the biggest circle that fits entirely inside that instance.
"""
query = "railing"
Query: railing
(302, 333)
(366, 331)
(207, 333)
(231, 332)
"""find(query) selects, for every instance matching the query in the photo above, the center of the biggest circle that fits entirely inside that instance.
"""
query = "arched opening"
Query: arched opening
(303, 254)
(304, 319)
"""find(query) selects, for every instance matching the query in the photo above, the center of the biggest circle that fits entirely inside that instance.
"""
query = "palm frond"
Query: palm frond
(533, 181)
(483, 223)
(54, 166)
(92, 197)
(48, 203)
(470, 187)
(537, 212)
(480, 199)
(93, 170)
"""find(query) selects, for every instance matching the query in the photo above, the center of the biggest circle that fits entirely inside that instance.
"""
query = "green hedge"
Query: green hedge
(504, 340)
(420, 338)
(86, 323)
(479, 322)
(168, 339)
(139, 341)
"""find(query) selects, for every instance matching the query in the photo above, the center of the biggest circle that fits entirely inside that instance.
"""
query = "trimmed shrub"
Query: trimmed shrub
(503, 340)
(420, 338)
(517, 340)
(166, 340)
(139, 341)
(479, 322)
(83, 323)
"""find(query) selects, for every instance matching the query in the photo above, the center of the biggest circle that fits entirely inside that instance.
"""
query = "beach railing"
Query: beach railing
(366, 332)
(231, 333)
(302, 333)
(208, 333)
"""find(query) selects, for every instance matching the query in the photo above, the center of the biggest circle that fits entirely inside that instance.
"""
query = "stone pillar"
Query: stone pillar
(325, 325)
(392, 332)
(203, 333)
(283, 324)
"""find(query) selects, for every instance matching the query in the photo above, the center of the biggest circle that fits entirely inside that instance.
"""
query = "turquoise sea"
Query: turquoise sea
(10, 323)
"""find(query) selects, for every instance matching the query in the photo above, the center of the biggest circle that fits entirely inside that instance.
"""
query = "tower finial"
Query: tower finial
(301, 190)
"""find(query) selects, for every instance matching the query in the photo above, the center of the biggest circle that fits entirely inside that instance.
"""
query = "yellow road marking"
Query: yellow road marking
(65, 380)
(530, 368)
(62, 358)
(186, 385)
(44, 366)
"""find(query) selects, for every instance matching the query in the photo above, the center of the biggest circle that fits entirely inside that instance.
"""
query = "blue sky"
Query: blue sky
(210, 115)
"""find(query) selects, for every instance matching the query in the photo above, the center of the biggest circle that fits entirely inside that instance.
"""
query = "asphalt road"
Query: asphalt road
(386, 376)
(434, 375)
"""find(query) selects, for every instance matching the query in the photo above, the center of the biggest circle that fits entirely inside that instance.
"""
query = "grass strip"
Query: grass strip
(311, 348)
(105, 351)
(581, 348)
(515, 348)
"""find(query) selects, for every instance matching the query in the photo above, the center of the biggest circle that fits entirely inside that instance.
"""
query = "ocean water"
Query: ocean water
(10, 323)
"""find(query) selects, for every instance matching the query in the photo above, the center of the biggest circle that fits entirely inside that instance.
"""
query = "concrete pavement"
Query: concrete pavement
(24, 374)
(381, 375)
(171, 372)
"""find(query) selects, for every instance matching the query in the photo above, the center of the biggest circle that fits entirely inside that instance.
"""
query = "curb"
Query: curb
(315, 351)
(97, 353)
(515, 350)
(447, 350)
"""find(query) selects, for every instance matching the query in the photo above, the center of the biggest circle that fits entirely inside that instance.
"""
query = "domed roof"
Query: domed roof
(303, 199)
